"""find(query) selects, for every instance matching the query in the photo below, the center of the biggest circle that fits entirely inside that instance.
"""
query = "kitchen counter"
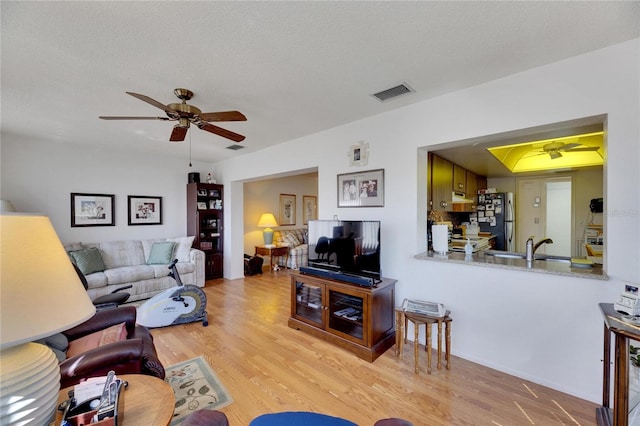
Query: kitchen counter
(541, 266)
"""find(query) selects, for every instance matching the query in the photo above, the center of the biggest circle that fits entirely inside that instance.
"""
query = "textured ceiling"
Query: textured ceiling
(293, 68)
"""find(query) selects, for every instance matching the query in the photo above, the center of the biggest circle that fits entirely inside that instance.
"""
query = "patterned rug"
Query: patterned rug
(196, 386)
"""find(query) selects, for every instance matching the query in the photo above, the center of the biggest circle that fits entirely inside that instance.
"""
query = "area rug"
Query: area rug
(195, 386)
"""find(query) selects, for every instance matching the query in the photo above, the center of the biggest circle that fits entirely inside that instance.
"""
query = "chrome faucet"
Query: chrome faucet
(531, 247)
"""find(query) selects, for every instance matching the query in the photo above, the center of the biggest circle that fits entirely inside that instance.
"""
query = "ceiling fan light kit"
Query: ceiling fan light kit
(186, 114)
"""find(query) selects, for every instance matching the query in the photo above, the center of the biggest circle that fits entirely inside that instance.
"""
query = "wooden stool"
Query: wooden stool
(402, 322)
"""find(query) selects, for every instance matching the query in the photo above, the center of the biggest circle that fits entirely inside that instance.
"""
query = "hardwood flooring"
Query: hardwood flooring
(269, 367)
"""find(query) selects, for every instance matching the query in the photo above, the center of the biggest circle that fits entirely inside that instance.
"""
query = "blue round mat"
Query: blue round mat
(299, 418)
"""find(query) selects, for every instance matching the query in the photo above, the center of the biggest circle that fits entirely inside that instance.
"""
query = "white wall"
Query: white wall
(541, 327)
(39, 176)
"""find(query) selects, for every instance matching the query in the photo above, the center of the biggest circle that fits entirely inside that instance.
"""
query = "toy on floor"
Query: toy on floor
(177, 305)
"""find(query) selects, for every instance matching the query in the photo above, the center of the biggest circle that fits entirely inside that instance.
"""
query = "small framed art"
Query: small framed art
(92, 210)
(287, 210)
(361, 189)
(145, 210)
(309, 209)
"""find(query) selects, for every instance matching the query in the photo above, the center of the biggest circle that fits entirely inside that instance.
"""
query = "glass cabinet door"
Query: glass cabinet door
(309, 303)
(346, 315)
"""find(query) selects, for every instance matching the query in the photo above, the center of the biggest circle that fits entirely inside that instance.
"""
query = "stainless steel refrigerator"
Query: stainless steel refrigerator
(496, 214)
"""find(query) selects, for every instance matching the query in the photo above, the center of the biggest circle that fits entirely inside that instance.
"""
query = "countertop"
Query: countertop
(541, 266)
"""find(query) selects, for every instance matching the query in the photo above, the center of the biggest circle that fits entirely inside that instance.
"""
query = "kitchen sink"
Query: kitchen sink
(514, 255)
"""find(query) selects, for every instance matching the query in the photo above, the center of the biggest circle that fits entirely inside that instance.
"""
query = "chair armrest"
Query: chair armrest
(104, 319)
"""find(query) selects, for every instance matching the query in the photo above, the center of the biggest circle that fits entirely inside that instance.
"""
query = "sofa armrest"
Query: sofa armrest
(197, 258)
(104, 319)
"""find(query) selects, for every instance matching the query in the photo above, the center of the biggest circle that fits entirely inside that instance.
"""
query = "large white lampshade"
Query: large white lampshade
(267, 220)
(40, 295)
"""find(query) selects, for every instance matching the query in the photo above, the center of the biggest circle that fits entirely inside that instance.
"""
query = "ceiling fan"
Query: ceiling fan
(186, 114)
(555, 149)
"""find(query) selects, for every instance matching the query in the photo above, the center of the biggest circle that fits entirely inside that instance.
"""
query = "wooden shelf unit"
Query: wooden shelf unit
(205, 221)
(359, 319)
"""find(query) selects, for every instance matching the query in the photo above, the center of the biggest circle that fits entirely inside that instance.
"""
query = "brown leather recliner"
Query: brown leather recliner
(135, 355)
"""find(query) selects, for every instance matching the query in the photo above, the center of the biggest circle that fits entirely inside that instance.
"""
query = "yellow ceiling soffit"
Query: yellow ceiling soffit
(531, 156)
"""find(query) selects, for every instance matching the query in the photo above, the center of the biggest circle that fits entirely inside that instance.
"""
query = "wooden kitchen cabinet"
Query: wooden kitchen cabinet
(472, 185)
(441, 183)
(459, 179)
(359, 319)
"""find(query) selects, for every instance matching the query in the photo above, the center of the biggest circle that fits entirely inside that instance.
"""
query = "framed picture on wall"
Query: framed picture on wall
(92, 210)
(361, 189)
(145, 210)
(287, 210)
(309, 209)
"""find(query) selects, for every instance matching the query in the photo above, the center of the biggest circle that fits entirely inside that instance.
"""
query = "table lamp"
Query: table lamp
(267, 220)
(40, 295)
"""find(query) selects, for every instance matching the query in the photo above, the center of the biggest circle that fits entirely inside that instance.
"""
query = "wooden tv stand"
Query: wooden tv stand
(359, 319)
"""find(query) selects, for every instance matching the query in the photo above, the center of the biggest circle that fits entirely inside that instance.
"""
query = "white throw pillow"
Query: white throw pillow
(183, 247)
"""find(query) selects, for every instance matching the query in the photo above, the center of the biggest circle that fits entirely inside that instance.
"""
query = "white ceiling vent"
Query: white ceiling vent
(399, 90)
(235, 147)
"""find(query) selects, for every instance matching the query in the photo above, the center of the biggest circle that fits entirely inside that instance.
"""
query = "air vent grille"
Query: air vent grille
(399, 90)
(235, 147)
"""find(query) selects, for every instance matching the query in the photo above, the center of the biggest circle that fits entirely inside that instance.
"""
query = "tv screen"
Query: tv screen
(348, 246)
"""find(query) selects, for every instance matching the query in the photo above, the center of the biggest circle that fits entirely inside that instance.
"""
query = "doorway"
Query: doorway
(544, 209)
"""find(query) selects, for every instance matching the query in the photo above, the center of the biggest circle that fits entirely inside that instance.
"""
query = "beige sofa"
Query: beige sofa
(297, 240)
(141, 263)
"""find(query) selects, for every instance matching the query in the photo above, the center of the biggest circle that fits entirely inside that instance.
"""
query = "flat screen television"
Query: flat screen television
(346, 246)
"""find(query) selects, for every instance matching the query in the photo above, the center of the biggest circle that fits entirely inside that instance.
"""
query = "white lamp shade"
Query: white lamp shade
(267, 220)
(40, 292)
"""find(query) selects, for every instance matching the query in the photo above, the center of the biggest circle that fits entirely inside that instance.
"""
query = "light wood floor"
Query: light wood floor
(269, 367)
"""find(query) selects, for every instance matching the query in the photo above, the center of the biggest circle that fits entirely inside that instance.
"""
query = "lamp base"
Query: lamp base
(268, 237)
(29, 385)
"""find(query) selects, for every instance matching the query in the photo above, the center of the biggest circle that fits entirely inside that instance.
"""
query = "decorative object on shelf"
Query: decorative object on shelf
(92, 210)
(359, 154)
(361, 189)
(194, 177)
(30, 369)
(210, 178)
(144, 210)
(267, 221)
(287, 209)
(309, 208)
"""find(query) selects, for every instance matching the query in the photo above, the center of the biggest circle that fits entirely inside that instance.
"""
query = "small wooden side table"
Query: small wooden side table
(273, 251)
(402, 319)
(147, 401)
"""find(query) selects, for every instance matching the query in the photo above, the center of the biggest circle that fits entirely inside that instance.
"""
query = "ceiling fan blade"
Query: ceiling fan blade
(223, 116)
(569, 146)
(133, 118)
(153, 102)
(178, 133)
(588, 148)
(221, 132)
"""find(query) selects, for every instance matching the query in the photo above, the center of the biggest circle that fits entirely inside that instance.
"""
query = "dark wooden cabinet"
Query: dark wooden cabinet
(205, 222)
(441, 183)
(625, 382)
(459, 179)
(359, 319)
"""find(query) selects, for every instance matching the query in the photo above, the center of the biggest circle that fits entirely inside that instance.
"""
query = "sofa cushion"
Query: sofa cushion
(290, 239)
(183, 248)
(96, 280)
(88, 260)
(161, 253)
(182, 267)
(115, 333)
(128, 274)
(122, 253)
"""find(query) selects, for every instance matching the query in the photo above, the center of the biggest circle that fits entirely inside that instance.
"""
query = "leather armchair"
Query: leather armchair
(135, 355)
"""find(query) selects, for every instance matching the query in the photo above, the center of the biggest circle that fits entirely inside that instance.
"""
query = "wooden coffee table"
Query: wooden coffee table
(147, 401)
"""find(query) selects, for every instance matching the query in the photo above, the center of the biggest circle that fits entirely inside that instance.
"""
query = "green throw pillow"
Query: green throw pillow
(161, 253)
(88, 260)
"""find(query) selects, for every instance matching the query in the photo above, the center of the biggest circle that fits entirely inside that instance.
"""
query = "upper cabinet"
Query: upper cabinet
(441, 183)
(444, 178)
(459, 179)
